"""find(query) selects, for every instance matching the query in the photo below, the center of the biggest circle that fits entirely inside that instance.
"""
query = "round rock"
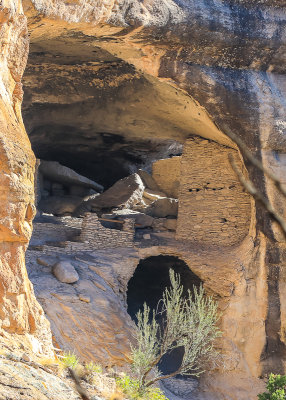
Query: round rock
(65, 272)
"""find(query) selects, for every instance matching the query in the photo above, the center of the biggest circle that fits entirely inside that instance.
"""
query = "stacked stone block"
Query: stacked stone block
(93, 235)
(99, 237)
(213, 206)
(63, 229)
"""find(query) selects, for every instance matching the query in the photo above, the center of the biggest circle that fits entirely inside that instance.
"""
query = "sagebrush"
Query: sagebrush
(276, 388)
(187, 321)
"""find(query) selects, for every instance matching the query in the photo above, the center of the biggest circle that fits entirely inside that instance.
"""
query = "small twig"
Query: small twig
(82, 392)
(163, 377)
(257, 195)
(13, 386)
(254, 161)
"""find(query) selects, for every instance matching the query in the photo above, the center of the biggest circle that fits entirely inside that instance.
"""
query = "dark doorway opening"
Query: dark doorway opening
(148, 284)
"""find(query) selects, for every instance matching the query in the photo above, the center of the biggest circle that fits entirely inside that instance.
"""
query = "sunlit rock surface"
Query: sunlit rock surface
(21, 318)
(112, 86)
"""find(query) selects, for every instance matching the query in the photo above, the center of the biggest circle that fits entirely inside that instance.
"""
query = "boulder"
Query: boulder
(159, 225)
(144, 220)
(56, 172)
(140, 218)
(46, 261)
(59, 205)
(162, 208)
(153, 194)
(65, 272)
(148, 180)
(171, 224)
(125, 193)
(85, 206)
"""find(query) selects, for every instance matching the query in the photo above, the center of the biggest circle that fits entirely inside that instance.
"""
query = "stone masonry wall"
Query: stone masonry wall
(93, 235)
(63, 229)
(167, 173)
(213, 206)
(97, 236)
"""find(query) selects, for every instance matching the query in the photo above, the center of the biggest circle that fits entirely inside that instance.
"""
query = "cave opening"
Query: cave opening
(100, 116)
(103, 157)
(148, 283)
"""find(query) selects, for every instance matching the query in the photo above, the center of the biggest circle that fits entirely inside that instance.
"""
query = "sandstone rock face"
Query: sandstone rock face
(167, 174)
(20, 313)
(163, 72)
(89, 316)
(21, 381)
(182, 68)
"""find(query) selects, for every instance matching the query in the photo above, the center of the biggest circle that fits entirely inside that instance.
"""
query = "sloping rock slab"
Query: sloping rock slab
(88, 316)
(54, 171)
(19, 381)
(124, 193)
(162, 208)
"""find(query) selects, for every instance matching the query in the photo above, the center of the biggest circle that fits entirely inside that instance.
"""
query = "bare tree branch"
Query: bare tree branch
(251, 189)
(82, 392)
(254, 161)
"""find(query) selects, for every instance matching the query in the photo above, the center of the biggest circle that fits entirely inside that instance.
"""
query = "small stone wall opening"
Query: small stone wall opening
(147, 285)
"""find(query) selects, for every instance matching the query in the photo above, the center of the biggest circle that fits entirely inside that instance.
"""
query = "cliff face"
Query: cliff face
(19, 312)
(109, 87)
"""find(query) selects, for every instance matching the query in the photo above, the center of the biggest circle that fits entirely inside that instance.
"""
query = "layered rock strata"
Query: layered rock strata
(20, 313)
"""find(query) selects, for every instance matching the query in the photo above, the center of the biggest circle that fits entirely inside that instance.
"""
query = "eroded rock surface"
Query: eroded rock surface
(21, 381)
(20, 313)
(178, 69)
(88, 316)
(130, 86)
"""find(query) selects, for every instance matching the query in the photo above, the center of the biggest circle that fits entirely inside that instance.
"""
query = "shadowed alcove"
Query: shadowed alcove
(147, 285)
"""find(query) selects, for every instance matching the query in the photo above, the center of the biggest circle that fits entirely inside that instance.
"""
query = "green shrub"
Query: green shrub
(69, 360)
(93, 368)
(131, 388)
(276, 387)
(188, 322)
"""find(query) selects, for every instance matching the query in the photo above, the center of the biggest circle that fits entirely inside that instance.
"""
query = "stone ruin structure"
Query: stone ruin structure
(111, 88)
(93, 236)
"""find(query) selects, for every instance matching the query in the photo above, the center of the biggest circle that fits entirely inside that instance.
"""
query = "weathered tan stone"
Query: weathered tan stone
(227, 82)
(125, 193)
(20, 313)
(65, 272)
(213, 206)
(167, 175)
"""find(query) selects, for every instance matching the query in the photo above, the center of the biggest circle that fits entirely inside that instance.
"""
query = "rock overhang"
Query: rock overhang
(82, 101)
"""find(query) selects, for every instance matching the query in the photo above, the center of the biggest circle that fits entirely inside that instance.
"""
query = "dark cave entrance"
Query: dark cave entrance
(147, 285)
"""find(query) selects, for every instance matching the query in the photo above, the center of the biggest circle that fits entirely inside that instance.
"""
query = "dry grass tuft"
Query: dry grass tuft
(116, 396)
